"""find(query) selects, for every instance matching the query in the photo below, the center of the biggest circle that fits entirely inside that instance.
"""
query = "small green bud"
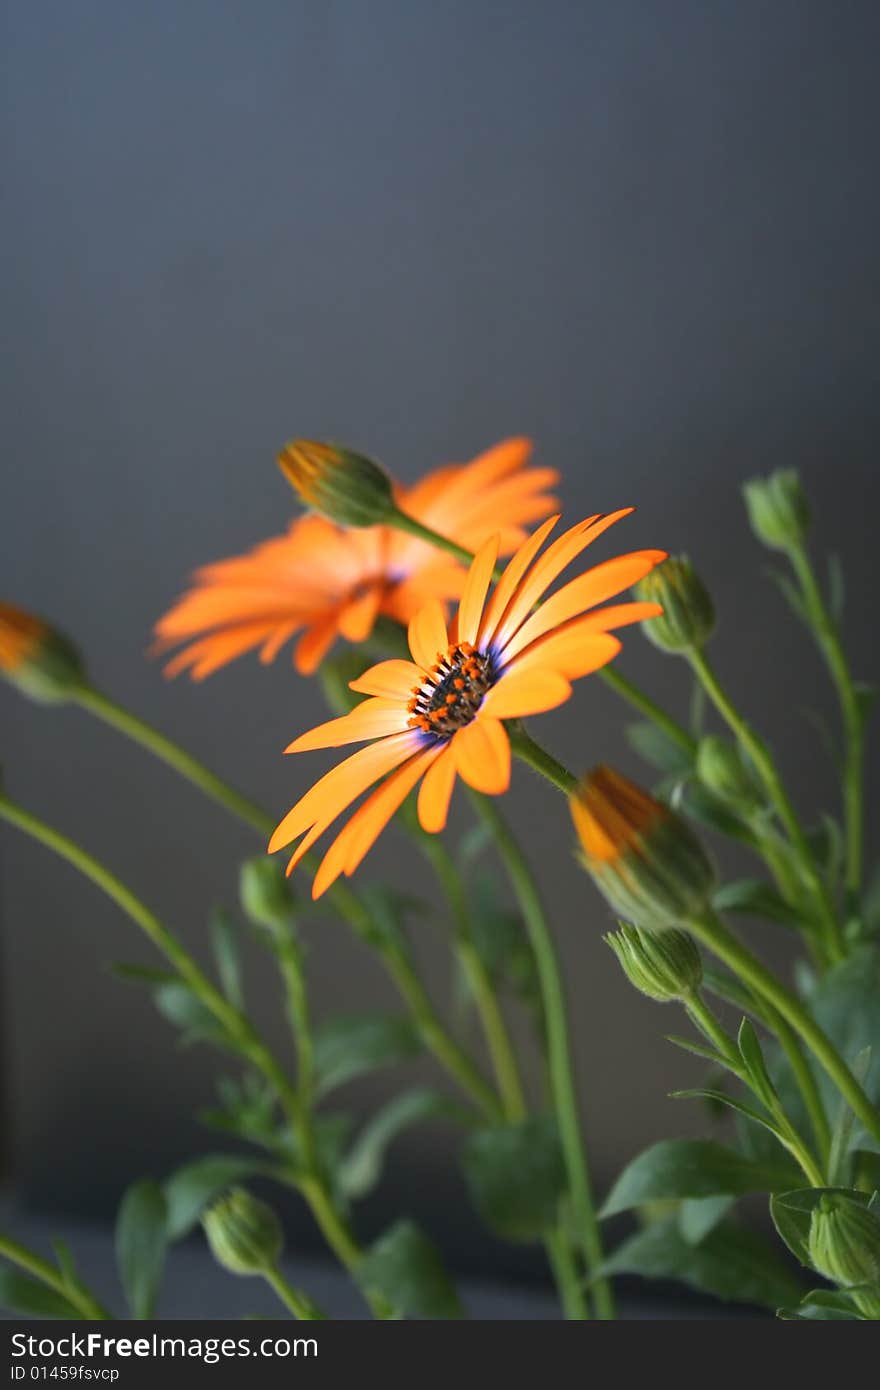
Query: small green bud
(37, 658)
(244, 1234)
(664, 965)
(643, 858)
(844, 1241)
(265, 893)
(721, 769)
(344, 486)
(778, 509)
(688, 616)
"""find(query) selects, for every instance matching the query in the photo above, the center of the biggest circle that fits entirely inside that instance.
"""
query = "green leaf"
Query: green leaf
(694, 800)
(141, 1243)
(728, 988)
(791, 593)
(248, 1109)
(826, 844)
(657, 748)
(841, 1135)
(753, 1061)
(692, 1168)
(698, 1049)
(515, 1175)
(755, 898)
(224, 937)
(404, 1268)
(791, 1213)
(474, 843)
(65, 1261)
(361, 1168)
(865, 1169)
(846, 1004)
(389, 909)
(183, 1008)
(21, 1294)
(348, 1045)
(731, 1262)
(732, 1102)
(697, 1216)
(502, 943)
(194, 1186)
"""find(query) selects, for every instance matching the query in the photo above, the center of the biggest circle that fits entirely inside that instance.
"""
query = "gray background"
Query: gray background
(644, 234)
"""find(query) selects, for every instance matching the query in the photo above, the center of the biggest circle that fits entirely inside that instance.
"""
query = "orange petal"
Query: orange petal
(372, 719)
(482, 755)
(574, 651)
(546, 568)
(357, 617)
(394, 679)
(620, 615)
(516, 568)
(428, 638)
(435, 793)
(525, 692)
(314, 645)
(470, 609)
(597, 585)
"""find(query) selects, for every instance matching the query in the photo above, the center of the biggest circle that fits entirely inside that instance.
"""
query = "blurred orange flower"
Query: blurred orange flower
(323, 581)
(441, 714)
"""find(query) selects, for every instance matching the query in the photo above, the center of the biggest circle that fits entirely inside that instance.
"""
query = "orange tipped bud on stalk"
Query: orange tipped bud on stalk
(688, 617)
(642, 857)
(343, 486)
(40, 661)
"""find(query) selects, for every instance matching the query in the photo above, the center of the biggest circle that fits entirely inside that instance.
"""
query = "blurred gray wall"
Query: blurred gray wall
(644, 233)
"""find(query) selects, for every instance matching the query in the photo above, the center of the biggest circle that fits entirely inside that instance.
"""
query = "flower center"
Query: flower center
(453, 692)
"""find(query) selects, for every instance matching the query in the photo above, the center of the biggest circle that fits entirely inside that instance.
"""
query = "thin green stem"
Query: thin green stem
(302, 1307)
(332, 1224)
(704, 1020)
(766, 768)
(752, 972)
(806, 1084)
(831, 646)
(76, 1294)
(526, 749)
(562, 1081)
(566, 1275)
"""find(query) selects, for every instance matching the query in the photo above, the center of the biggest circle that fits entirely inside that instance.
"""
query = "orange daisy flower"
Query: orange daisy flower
(324, 581)
(442, 714)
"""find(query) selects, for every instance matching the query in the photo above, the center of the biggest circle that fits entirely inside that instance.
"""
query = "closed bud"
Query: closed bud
(778, 509)
(664, 965)
(345, 487)
(644, 859)
(688, 616)
(244, 1234)
(265, 893)
(844, 1244)
(36, 658)
(721, 770)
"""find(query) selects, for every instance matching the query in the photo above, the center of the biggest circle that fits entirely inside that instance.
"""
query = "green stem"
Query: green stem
(722, 942)
(528, 751)
(562, 1080)
(331, 1223)
(766, 768)
(565, 1273)
(704, 1019)
(77, 1296)
(302, 1307)
(828, 637)
(806, 1084)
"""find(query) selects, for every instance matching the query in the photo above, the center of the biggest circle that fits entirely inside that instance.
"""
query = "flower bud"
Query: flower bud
(688, 616)
(265, 893)
(40, 661)
(642, 857)
(244, 1234)
(844, 1245)
(778, 509)
(721, 769)
(664, 965)
(346, 487)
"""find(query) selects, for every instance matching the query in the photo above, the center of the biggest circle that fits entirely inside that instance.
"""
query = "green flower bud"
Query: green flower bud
(778, 509)
(844, 1242)
(346, 487)
(721, 769)
(244, 1234)
(265, 893)
(39, 660)
(643, 858)
(688, 616)
(664, 965)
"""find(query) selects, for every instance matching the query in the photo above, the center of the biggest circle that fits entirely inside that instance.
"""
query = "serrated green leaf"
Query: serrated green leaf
(360, 1169)
(349, 1045)
(755, 898)
(692, 1168)
(404, 1268)
(698, 1050)
(791, 1213)
(515, 1174)
(194, 1186)
(141, 1243)
(224, 938)
(657, 748)
(697, 1216)
(731, 1263)
(21, 1294)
